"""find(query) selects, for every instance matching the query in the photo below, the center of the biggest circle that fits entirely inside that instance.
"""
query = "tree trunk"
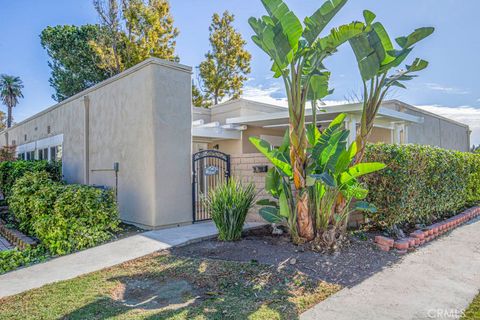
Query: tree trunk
(9, 116)
(298, 158)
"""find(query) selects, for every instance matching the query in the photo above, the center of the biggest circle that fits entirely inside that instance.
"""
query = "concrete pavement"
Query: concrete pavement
(104, 256)
(436, 282)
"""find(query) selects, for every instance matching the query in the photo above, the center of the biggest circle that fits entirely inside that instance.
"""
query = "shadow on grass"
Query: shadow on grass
(200, 288)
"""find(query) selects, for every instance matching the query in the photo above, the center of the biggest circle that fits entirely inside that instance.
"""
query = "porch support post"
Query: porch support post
(351, 125)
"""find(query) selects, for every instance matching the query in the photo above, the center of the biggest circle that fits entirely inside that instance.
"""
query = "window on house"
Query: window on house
(14, 142)
(30, 155)
(25, 137)
(21, 156)
(48, 130)
(56, 153)
(43, 154)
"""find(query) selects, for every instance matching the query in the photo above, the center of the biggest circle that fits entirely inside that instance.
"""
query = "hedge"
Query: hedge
(11, 171)
(65, 218)
(421, 184)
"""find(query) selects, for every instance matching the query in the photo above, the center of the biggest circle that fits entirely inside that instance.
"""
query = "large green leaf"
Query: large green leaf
(284, 206)
(323, 142)
(319, 20)
(346, 158)
(339, 36)
(319, 85)
(273, 182)
(271, 214)
(276, 157)
(286, 22)
(354, 191)
(414, 37)
(359, 170)
(365, 207)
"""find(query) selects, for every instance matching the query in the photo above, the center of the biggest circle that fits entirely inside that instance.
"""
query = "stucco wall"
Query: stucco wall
(141, 119)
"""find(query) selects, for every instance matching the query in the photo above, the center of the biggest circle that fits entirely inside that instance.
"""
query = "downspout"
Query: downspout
(86, 142)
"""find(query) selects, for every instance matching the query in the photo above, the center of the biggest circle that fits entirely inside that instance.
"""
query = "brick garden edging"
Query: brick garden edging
(422, 236)
(16, 238)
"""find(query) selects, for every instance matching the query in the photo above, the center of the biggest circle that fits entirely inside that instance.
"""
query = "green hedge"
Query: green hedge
(13, 259)
(421, 183)
(64, 218)
(10, 171)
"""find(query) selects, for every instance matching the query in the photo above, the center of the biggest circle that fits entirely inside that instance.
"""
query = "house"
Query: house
(136, 132)
(228, 126)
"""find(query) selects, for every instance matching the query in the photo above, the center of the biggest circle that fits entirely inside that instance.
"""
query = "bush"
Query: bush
(13, 259)
(11, 171)
(229, 204)
(421, 183)
(64, 218)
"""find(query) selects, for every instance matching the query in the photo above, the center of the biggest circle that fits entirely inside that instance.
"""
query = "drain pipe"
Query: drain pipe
(86, 141)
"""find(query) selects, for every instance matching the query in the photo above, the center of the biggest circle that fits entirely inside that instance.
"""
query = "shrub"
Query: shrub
(229, 204)
(32, 195)
(421, 183)
(13, 259)
(64, 218)
(11, 171)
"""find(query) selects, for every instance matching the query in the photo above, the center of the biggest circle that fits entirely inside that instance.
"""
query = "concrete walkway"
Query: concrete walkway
(104, 256)
(436, 282)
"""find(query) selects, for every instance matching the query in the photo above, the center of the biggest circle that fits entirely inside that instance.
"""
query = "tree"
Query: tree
(130, 32)
(10, 91)
(73, 62)
(224, 71)
(136, 32)
(376, 57)
(297, 53)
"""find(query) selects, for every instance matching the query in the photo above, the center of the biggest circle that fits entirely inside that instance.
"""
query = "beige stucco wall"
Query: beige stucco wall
(435, 130)
(141, 119)
(380, 135)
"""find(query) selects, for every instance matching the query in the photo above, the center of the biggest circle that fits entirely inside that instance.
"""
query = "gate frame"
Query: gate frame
(208, 153)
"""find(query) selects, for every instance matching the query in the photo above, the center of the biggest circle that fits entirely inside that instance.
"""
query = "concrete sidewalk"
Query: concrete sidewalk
(104, 256)
(436, 282)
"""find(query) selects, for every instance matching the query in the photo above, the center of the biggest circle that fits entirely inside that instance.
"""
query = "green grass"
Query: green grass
(218, 290)
(473, 311)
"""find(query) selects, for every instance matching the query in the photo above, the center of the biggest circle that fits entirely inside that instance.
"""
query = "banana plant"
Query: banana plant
(297, 53)
(328, 173)
(376, 57)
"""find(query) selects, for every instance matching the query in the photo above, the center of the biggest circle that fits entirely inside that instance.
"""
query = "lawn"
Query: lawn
(473, 311)
(163, 286)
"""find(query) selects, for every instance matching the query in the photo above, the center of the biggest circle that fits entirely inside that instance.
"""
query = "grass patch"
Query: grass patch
(473, 311)
(162, 286)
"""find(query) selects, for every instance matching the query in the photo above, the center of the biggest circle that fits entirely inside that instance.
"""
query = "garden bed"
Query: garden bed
(355, 262)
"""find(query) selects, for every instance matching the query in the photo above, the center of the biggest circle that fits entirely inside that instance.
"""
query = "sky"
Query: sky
(449, 86)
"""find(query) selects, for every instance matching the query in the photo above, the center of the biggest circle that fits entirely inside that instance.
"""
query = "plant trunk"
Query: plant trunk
(9, 116)
(298, 158)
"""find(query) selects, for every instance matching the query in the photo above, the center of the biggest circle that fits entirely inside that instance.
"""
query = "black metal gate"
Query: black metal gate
(210, 168)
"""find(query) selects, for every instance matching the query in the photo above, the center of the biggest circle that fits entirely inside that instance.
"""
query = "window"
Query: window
(56, 153)
(49, 130)
(43, 154)
(30, 155)
(25, 137)
(21, 156)
(14, 142)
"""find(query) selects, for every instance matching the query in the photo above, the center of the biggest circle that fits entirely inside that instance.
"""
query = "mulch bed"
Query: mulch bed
(355, 262)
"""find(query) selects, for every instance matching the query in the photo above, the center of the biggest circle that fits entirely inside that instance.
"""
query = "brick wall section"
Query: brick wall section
(242, 169)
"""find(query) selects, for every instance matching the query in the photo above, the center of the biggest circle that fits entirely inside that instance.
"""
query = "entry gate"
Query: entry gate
(210, 169)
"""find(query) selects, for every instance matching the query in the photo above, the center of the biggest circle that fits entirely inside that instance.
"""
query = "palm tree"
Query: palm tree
(10, 91)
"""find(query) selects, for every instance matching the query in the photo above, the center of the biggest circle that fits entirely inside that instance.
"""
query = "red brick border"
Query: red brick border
(16, 238)
(420, 237)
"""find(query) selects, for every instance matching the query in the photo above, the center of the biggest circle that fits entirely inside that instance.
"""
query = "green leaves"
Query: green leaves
(359, 170)
(276, 157)
(271, 214)
(315, 24)
(414, 37)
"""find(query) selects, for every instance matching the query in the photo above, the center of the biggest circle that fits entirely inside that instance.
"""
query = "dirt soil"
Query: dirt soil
(355, 262)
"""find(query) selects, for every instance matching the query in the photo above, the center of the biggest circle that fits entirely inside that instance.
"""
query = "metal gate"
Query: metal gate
(210, 168)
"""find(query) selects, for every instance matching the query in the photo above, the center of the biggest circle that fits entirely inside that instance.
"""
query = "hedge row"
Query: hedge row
(421, 183)
(10, 171)
(64, 218)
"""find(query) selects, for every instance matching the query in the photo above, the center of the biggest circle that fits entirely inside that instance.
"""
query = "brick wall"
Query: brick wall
(242, 169)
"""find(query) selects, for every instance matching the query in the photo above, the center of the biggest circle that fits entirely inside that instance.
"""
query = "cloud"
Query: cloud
(464, 114)
(445, 89)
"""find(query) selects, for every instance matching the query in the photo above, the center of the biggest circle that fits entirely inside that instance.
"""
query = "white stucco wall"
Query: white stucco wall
(141, 119)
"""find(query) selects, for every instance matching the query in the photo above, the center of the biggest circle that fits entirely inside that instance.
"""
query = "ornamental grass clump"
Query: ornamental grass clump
(229, 204)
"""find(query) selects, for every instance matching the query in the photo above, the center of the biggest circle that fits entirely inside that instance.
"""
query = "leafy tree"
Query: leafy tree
(73, 62)
(135, 32)
(297, 53)
(224, 71)
(10, 91)
(376, 57)
(130, 32)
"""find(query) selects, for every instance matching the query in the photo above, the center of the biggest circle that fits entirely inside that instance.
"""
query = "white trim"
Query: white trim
(215, 133)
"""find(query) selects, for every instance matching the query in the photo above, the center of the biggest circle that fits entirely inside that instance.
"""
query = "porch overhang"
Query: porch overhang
(215, 131)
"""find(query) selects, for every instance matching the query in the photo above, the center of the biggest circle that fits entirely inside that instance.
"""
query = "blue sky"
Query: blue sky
(449, 86)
